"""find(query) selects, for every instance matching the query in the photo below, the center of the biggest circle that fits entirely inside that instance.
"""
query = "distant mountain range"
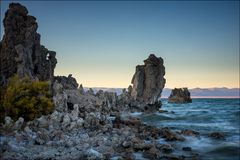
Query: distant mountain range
(209, 92)
(195, 92)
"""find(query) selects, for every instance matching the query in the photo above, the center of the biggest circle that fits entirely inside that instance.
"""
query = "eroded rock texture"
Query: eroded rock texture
(20, 50)
(148, 80)
(180, 95)
(68, 82)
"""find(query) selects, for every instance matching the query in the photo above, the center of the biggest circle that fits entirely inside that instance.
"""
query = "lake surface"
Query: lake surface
(204, 116)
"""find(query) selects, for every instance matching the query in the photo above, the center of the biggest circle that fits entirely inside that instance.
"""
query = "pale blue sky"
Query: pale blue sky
(100, 43)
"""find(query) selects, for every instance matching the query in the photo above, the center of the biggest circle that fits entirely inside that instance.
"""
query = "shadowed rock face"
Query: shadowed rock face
(67, 82)
(20, 49)
(148, 80)
(180, 95)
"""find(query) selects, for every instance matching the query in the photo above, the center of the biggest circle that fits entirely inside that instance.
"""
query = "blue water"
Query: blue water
(204, 116)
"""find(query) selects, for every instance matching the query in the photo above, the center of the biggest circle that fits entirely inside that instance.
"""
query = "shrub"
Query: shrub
(26, 98)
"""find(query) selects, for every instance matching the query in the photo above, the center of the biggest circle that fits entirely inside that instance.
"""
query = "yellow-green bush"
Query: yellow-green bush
(26, 98)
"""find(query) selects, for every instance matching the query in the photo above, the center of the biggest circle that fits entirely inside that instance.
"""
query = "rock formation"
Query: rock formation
(83, 125)
(67, 82)
(20, 49)
(180, 95)
(148, 80)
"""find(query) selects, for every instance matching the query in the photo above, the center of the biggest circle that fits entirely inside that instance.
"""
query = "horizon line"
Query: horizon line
(168, 87)
(210, 97)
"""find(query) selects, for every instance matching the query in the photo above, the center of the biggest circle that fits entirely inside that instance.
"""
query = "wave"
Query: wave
(227, 151)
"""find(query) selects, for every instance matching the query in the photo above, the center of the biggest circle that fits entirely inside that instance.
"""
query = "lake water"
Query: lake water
(205, 116)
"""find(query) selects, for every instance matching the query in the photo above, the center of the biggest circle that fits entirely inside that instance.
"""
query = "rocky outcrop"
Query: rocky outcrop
(180, 95)
(20, 50)
(148, 81)
(67, 82)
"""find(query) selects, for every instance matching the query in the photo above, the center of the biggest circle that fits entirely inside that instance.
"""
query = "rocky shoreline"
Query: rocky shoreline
(82, 125)
(85, 125)
(65, 135)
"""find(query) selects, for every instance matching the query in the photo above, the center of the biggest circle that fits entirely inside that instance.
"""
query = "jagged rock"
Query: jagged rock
(111, 99)
(188, 132)
(91, 121)
(60, 97)
(81, 90)
(166, 148)
(74, 113)
(43, 122)
(55, 117)
(79, 122)
(152, 153)
(18, 124)
(171, 136)
(90, 91)
(8, 121)
(60, 102)
(21, 52)
(67, 82)
(127, 144)
(129, 89)
(66, 121)
(180, 95)
(57, 88)
(93, 154)
(30, 132)
(148, 81)
(142, 146)
(42, 136)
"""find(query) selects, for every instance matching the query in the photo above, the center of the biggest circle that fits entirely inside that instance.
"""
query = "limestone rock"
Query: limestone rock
(66, 121)
(81, 90)
(74, 113)
(57, 88)
(166, 148)
(20, 50)
(79, 122)
(67, 82)
(127, 144)
(60, 101)
(180, 95)
(42, 137)
(43, 122)
(90, 91)
(8, 121)
(93, 154)
(148, 80)
(91, 121)
(18, 124)
(189, 132)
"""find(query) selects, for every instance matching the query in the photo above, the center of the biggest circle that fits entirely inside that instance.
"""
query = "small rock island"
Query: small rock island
(180, 95)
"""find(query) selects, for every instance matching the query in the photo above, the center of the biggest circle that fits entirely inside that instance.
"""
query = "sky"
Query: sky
(101, 42)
